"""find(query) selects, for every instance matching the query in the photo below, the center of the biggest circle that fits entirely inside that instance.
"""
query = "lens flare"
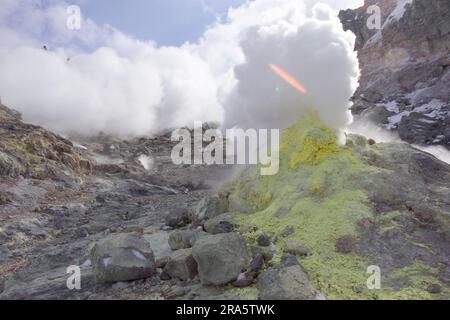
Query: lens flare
(288, 78)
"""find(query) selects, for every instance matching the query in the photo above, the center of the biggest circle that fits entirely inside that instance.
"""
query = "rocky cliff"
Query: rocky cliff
(405, 74)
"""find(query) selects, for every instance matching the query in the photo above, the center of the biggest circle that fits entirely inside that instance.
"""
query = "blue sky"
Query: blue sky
(167, 22)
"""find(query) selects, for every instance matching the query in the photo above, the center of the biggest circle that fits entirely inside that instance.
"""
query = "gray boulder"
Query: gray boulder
(178, 218)
(220, 224)
(221, 258)
(211, 207)
(289, 283)
(182, 265)
(123, 257)
(296, 248)
(184, 239)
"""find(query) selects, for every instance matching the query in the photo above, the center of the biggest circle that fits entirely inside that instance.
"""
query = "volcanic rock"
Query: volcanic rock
(221, 258)
(123, 257)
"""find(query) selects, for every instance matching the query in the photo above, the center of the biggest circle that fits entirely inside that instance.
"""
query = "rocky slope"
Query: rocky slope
(140, 227)
(59, 198)
(405, 74)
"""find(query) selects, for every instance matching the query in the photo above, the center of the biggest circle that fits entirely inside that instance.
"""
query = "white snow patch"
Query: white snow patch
(138, 255)
(241, 277)
(431, 109)
(438, 151)
(107, 261)
(395, 120)
(86, 264)
(399, 11)
(391, 106)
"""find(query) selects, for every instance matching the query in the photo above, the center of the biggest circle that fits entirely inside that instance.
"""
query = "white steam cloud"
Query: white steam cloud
(118, 85)
(316, 52)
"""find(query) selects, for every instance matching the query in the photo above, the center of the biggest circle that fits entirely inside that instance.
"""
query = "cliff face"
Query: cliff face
(405, 74)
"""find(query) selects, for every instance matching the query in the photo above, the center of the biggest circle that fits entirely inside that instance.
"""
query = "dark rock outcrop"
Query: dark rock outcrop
(405, 72)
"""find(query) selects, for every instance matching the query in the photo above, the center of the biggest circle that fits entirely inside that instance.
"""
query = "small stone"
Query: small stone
(182, 265)
(288, 231)
(178, 218)
(2, 285)
(434, 288)
(345, 244)
(134, 230)
(161, 262)
(257, 263)
(296, 248)
(211, 207)
(243, 229)
(371, 142)
(263, 240)
(4, 199)
(288, 260)
(281, 212)
(165, 276)
(177, 292)
(220, 224)
(120, 285)
(267, 252)
(184, 239)
(366, 224)
(289, 283)
(243, 281)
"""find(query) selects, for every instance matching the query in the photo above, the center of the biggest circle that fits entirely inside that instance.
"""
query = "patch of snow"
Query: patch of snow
(426, 121)
(86, 264)
(320, 296)
(138, 255)
(391, 106)
(431, 109)
(415, 95)
(241, 277)
(395, 120)
(107, 261)
(438, 151)
(399, 11)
